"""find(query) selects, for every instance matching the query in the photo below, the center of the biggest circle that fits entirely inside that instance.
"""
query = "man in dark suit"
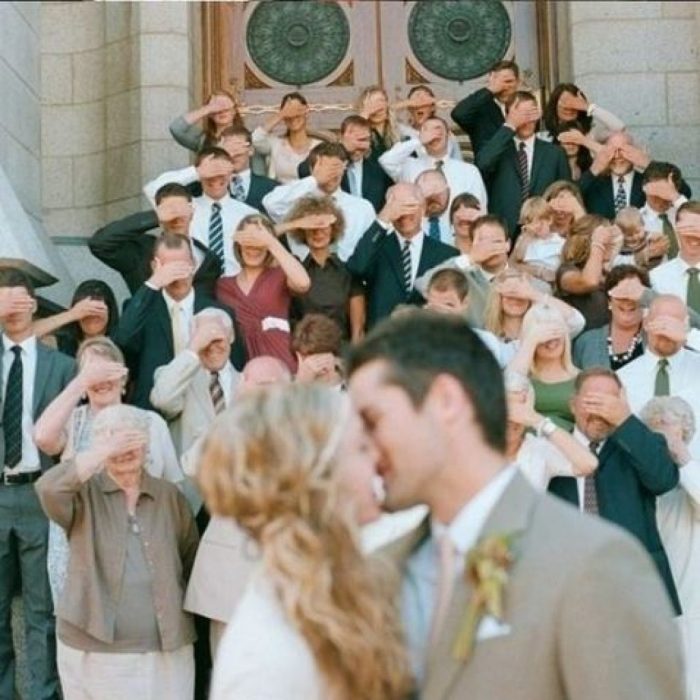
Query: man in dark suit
(516, 164)
(394, 251)
(156, 322)
(481, 114)
(127, 247)
(31, 376)
(634, 465)
(363, 176)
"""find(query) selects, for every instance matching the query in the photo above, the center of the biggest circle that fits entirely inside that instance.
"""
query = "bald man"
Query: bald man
(394, 251)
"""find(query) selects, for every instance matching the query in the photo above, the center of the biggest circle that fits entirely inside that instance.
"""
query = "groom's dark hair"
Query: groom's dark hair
(420, 345)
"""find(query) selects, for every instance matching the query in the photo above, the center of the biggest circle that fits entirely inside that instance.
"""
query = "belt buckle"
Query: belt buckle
(6, 478)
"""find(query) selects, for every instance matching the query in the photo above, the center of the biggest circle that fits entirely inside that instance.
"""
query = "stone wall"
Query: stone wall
(641, 60)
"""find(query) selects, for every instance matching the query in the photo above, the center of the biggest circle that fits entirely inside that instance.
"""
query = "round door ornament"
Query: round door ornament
(297, 42)
(459, 39)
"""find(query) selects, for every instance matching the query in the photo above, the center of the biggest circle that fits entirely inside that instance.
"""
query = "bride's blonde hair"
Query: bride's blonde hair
(269, 463)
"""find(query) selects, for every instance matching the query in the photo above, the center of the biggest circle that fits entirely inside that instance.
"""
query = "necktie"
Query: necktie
(237, 189)
(670, 234)
(406, 265)
(440, 165)
(693, 291)
(12, 411)
(352, 180)
(216, 393)
(216, 232)
(523, 172)
(177, 326)
(446, 580)
(662, 385)
(620, 195)
(590, 495)
(434, 227)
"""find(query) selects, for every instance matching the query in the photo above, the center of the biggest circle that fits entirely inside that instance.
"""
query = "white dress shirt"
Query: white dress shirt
(529, 151)
(652, 220)
(672, 277)
(461, 177)
(639, 377)
(419, 585)
(581, 480)
(186, 311)
(540, 461)
(30, 454)
(227, 379)
(359, 214)
(354, 172)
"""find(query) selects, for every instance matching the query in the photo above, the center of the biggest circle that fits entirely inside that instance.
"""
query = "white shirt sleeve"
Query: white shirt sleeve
(690, 483)
(184, 176)
(279, 202)
(394, 159)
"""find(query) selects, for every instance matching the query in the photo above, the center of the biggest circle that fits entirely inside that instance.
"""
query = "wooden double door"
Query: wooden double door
(330, 50)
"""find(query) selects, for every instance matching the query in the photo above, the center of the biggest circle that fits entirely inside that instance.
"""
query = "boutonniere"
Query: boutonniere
(487, 572)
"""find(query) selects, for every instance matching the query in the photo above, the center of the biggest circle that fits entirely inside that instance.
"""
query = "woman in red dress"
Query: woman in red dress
(260, 293)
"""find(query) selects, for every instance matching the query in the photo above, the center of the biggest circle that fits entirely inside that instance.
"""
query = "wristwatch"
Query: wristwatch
(545, 428)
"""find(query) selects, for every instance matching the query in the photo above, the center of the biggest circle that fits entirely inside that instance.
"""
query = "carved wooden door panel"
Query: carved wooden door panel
(331, 49)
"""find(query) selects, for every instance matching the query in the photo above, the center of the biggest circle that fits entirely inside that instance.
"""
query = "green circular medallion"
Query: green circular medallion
(459, 39)
(297, 42)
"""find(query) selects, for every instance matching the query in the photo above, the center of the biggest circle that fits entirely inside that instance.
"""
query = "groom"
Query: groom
(585, 614)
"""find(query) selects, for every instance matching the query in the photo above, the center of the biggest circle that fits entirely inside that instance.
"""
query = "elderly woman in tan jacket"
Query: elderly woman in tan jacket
(122, 632)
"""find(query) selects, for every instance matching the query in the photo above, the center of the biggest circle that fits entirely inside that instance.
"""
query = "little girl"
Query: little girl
(538, 249)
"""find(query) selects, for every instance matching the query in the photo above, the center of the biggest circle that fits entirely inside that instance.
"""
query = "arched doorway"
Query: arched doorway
(332, 49)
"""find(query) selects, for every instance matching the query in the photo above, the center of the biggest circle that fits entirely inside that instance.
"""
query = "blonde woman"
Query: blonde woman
(544, 356)
(294, 467)
(373, 105)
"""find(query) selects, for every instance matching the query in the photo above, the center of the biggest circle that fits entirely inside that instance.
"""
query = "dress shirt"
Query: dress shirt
(30, 454)
(359, 214)
(581, 480)
(244, 177)
(354, 171)
(651, 219)
(529, 151)
(461, 177)
(626, 183)
(419, 585)
(447, 235)
(186, 315)
(416, 250)
(540, 460)
(671, 277)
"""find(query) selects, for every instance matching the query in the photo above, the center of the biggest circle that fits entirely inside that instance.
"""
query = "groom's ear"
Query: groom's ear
(447, 399)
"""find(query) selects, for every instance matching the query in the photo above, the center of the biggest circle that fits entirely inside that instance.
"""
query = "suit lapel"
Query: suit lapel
(163, 319)
(510, 516)
(539, 154)
(44, 363)
(394, 255)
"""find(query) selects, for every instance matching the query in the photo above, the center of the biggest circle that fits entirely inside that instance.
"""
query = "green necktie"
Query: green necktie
(670, 234)
(662, 387)
(693, 293)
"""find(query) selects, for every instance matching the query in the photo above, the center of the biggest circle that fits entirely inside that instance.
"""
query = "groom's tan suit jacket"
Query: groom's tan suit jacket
(586, 615)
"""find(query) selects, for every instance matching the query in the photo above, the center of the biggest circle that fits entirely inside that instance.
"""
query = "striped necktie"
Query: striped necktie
(237, 189)
(620, 195)
(590, 495)
(407, 267)
(216, 393)
(216, 232)
(523, 172)
(434, 227)
(12, 411)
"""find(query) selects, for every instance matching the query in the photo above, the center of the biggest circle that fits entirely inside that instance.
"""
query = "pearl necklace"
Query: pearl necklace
(627, 355)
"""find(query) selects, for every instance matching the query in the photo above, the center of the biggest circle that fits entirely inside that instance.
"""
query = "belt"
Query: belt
(20, 478)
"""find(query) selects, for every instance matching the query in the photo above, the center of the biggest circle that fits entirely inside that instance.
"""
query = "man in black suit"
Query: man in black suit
(481, 114)
(634, 465)
(127, 247)
(31, 376)
(394, 251)
(363, 176)
(516, 164)
(612, 183)
(156, 322)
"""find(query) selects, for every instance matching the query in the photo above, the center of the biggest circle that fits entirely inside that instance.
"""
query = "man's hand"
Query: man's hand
(316, 367)
(173, 208)
(15, 300)
(165, 274)
(602, 159)
(639, 158)
(500, 81)
(668, 327)
(431, 132)
(327, 170)
(663, 189)
(394, 209)
(612, 408)
(522, 112)
(205, 333)
(484, 250)
(214, 167)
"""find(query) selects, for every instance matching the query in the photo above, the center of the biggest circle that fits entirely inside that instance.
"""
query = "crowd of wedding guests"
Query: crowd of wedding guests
(200, 474)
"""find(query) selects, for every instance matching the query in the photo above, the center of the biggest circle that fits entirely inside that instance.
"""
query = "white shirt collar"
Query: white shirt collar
(209, 201)
(186, 304)
(28, 345)
(465, 528)
(416, 241)
(243, 174)
(529, 142)
(585, 440)
(673, 360)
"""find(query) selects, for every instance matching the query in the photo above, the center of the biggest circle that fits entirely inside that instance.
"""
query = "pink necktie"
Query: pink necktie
(446, 583)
